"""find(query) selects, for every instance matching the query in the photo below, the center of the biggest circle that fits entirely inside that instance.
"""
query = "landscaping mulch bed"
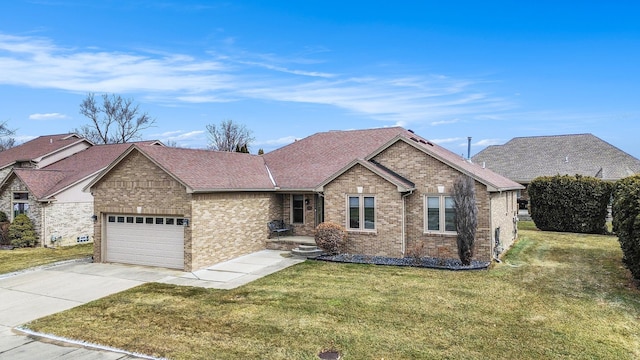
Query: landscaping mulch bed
(425, 262)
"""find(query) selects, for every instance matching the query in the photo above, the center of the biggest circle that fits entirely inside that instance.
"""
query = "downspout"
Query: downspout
(404, 222)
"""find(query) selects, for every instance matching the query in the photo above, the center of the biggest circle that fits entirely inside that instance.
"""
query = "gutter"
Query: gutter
(404, 222)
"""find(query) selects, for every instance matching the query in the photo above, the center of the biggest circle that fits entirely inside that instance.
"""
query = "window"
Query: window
(159, 221)
(297, 209)
(139, 220)
(148, 220)
(361, 213)
(129, 219)
(440, 214)
(20, 203)
(170, 221)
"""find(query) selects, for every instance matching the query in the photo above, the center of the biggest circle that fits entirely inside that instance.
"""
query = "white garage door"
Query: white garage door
(145, 240)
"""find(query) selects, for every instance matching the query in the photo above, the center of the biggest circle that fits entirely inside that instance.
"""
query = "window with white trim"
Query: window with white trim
(361, 212)
(20, 203)
(439, 214)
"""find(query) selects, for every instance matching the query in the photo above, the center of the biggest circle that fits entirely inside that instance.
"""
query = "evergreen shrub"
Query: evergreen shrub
(570, 203)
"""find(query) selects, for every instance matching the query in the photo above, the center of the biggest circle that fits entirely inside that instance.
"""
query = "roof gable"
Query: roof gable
(205, 170)
(306, 163)
(46, 182)
(38, 148)
(525, 158)
(492, 180)
(38, 182)
(403, 185)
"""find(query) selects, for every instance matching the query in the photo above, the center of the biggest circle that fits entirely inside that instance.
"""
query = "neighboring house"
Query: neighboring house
(50, 191)
(40, 152)
(523, 159)
(185, 209)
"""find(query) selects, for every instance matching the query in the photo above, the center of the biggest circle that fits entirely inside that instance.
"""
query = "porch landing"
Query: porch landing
(287, 243)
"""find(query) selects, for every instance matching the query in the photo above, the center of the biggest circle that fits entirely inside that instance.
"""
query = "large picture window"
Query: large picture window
(440, 214)
(20, 203)
(361, 213)
(297, 209)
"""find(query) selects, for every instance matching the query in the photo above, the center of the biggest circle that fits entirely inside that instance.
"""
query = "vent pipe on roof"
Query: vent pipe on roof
(468, 147)
(50, 141)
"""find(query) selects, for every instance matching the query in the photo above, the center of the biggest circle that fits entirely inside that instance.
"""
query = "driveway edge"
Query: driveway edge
(82, 343)
(86, 259)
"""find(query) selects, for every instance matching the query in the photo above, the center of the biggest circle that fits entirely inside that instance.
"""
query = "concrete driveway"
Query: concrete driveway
(33, 294)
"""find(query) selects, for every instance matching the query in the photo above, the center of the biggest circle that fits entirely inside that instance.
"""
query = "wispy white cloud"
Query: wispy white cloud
(178, 79)
(446, 140)
(277, 142)
(47, 116)
(444, 122)
(487, 142)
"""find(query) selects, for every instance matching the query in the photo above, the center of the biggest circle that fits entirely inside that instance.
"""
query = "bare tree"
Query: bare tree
(117, 120)
(229, 136)
(6, 137)
(466, 218)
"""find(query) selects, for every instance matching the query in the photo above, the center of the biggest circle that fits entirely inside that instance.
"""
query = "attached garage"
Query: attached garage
(149, 240)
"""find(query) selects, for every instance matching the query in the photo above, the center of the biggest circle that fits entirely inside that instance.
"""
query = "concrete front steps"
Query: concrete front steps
(307, 251)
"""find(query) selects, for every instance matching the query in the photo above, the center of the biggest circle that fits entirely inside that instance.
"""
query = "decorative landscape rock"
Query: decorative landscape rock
(426, 262)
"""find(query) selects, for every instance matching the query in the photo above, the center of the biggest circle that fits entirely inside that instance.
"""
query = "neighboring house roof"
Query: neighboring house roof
(34, 150)
(45, 183)
(206, 170)
(522, 159)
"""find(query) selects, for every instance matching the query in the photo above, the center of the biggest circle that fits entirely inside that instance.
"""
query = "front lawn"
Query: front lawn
(555, 295)
(20, 259)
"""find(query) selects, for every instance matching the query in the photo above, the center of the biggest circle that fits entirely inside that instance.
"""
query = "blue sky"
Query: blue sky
(491, 70)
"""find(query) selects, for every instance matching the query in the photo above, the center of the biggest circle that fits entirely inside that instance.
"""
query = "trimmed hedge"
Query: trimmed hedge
(570, 203)
(626, 221)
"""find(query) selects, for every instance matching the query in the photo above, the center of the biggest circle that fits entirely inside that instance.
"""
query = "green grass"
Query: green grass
(20, 259)
(555, 295)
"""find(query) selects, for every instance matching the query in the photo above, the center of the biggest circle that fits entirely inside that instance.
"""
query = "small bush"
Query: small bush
(416, 252)
(22, 233)
(570, 203)
(330, 237)
(626, 221)
(3, 217)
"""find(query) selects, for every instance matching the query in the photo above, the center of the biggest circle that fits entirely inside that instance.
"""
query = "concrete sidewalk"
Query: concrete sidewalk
(33, 294)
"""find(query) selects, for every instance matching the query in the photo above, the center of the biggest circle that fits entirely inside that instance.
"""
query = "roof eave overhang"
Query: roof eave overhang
(223, 190)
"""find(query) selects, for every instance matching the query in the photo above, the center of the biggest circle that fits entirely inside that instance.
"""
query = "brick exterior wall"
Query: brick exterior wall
(67, 220)
(386, 240)
(504, 209)
(138, 184)
(427, 173)
(35, 208)
(228, 225)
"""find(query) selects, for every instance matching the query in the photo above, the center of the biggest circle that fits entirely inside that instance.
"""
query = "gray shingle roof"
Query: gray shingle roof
(522, 159)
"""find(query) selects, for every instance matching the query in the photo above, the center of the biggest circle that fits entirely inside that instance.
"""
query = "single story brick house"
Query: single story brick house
(46, 180)
(390, 188)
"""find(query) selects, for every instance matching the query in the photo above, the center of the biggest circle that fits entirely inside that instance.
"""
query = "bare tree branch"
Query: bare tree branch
(229, 136)
(117, 120)
(6, 137)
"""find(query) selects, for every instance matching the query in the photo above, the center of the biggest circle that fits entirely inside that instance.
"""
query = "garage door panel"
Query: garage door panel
(143, 243)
